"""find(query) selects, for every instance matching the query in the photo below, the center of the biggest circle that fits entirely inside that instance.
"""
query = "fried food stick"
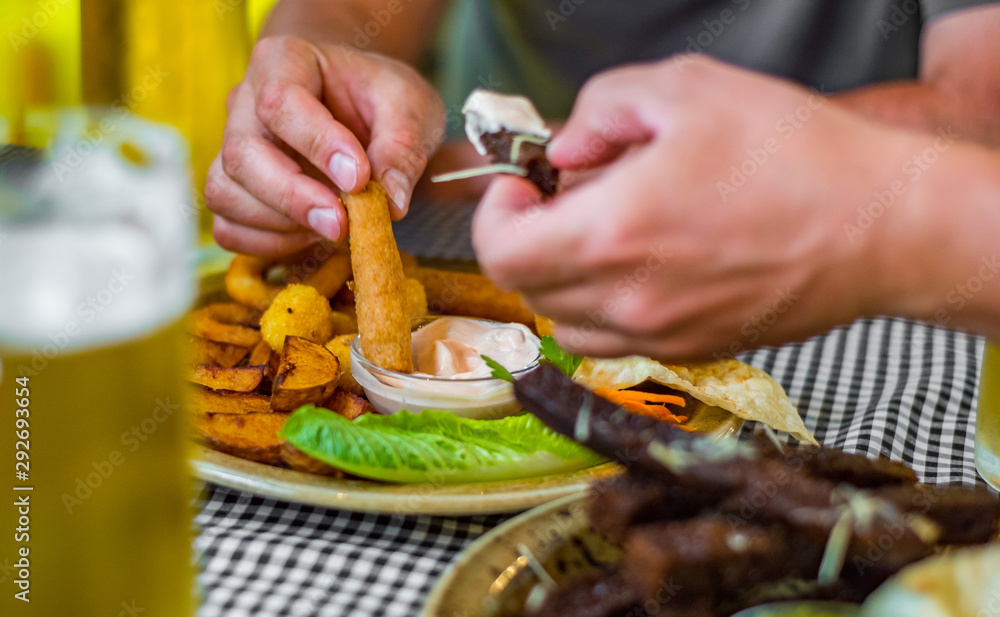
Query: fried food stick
(472, 295)
(383, 319)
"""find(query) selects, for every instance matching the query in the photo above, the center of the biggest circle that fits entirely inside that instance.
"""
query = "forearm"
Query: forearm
(397, 28)
(922, 106)
(955, 205)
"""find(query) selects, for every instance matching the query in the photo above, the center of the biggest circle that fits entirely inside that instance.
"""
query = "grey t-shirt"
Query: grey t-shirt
(546, 49)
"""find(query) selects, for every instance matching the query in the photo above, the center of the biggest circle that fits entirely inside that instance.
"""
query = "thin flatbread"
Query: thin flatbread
(739, 388)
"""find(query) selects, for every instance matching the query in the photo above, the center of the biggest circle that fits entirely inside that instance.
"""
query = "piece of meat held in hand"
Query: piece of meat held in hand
(507, 129)
(383, 316)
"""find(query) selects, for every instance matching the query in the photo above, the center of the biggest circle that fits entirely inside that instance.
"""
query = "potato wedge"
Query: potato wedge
(264, 356)
(251, 436)
(348, 405)
(224, 402)
(340, 346)
(260, 355)
(307, 373)
(300, 461)
(245, 379)
(204, 351)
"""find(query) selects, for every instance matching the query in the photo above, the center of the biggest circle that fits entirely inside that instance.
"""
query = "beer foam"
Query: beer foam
(103, 252)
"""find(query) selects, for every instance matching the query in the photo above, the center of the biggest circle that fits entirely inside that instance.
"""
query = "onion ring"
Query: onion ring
(227, 323)
(322, 266)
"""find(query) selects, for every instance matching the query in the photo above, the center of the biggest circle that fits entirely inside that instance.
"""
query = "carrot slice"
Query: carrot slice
(638, 402)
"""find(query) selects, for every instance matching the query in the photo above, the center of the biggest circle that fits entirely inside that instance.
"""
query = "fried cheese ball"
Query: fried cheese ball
(340, 346)
(299, 310)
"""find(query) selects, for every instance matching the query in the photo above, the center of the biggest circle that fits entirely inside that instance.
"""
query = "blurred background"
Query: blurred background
(171, 61)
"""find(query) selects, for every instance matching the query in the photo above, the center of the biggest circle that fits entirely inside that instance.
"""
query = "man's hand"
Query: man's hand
(308, 119)
(717, 220)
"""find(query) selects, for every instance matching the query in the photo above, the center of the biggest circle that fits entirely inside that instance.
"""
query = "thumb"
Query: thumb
(504, 223)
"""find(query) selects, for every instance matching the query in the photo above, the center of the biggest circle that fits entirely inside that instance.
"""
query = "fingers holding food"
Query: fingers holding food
(240, 238)
(401, 143)
(226, 323)
(307, 373)
(383, 319)
(233, 202)
(298, 311)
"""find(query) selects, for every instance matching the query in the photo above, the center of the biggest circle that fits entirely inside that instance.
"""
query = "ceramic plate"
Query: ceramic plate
(440, 499)
(492, 578)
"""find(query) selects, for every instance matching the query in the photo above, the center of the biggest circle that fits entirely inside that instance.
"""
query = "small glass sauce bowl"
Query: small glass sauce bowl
(390, 391)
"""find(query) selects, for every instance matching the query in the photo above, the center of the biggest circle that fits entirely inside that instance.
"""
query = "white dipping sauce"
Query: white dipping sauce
(451, 347)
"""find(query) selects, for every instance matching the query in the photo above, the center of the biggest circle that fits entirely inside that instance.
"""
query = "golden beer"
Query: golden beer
(95, 277)
(108, 527)
(988, 417)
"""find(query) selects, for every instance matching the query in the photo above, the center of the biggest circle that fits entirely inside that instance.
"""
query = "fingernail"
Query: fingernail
(344, 170)
(324, 222)
(398, 187)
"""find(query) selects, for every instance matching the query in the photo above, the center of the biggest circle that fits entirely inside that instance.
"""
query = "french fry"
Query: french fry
(204, 351)
(260, 355)
(245, 379)
(472, 295)
(348, 405)
(383, 319)
(225, 402)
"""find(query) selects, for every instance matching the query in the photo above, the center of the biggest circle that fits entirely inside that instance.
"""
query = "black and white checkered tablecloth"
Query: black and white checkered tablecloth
(886, 387)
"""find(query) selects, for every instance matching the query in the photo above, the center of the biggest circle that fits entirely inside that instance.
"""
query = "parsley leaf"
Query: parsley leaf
(498, 370)
(562, 359)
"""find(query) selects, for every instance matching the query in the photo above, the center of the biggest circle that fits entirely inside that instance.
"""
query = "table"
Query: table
(882, 386)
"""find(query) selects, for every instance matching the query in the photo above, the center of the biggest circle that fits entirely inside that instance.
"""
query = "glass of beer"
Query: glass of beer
(95, 276)
(988, 417)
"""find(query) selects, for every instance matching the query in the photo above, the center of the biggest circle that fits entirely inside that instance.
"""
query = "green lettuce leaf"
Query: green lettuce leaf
(434, 446)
